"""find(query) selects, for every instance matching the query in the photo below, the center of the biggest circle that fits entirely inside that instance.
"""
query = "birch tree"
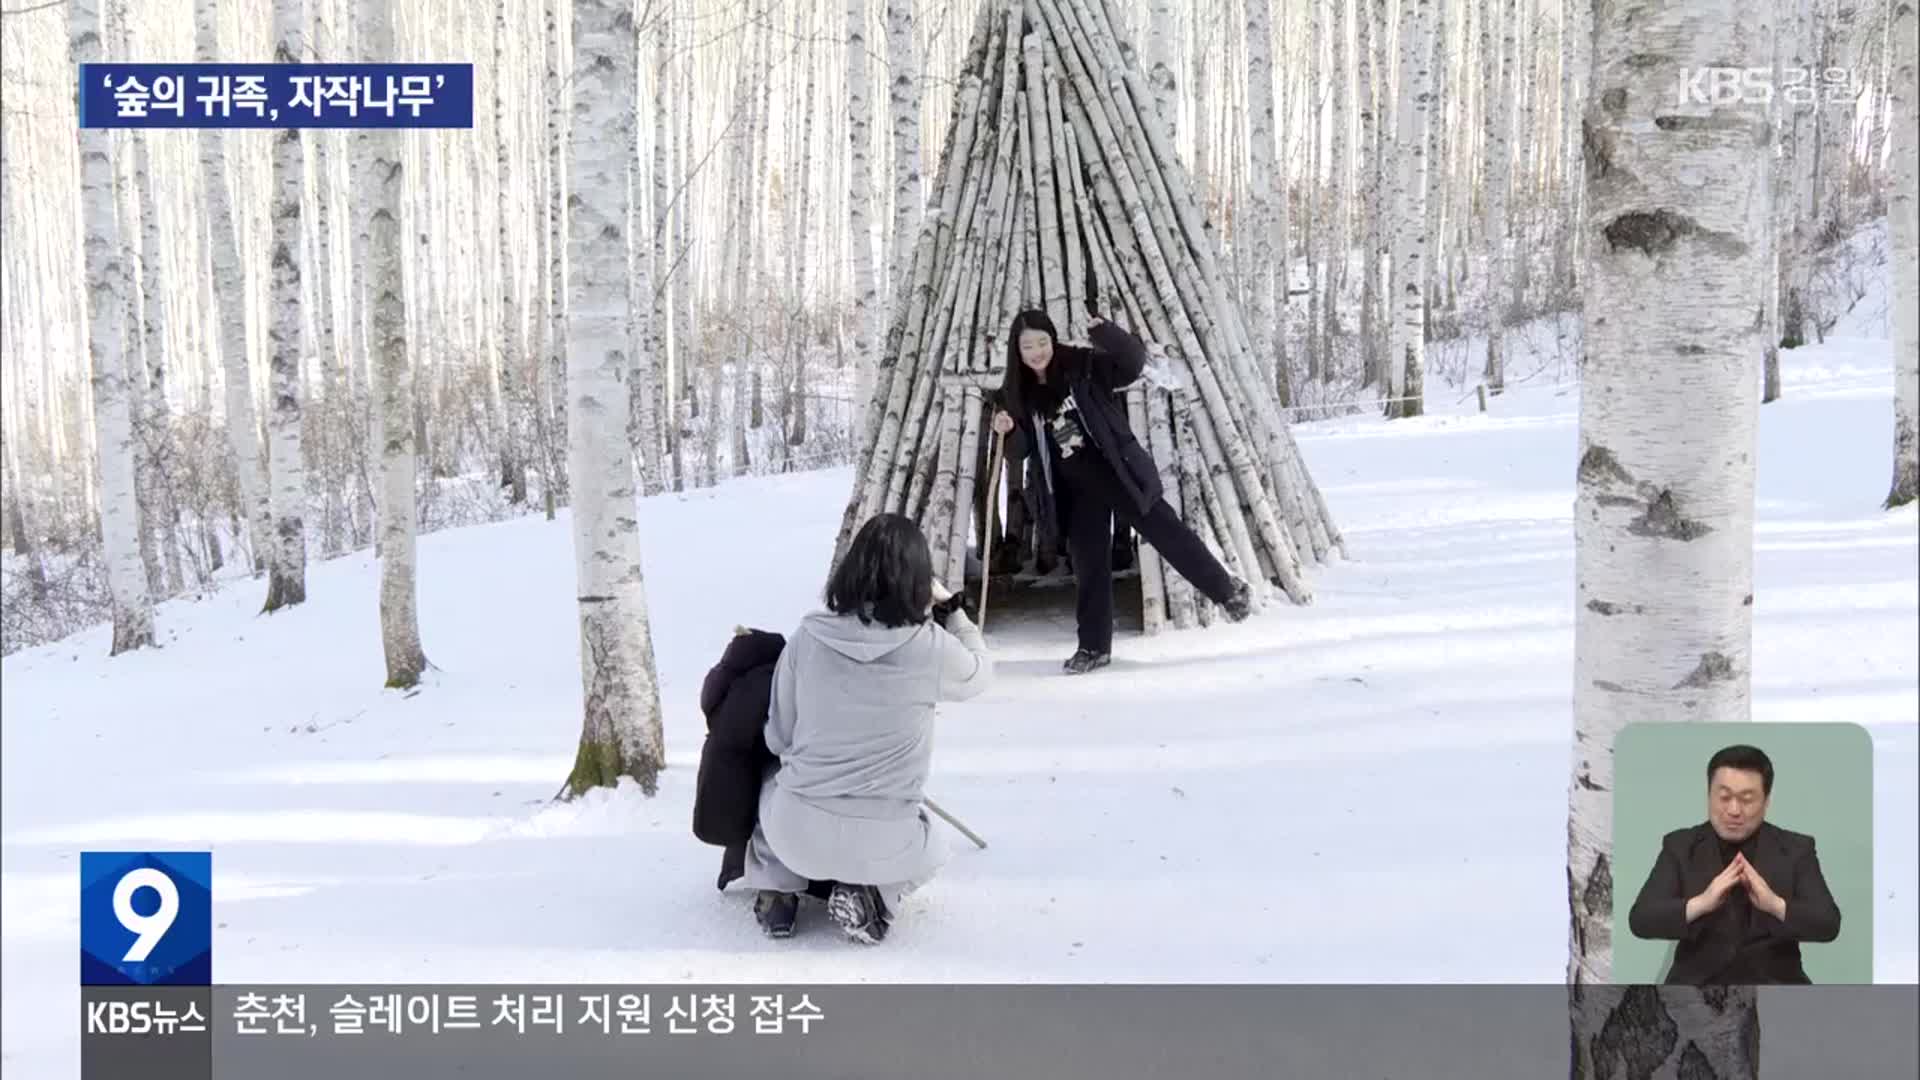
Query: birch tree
(1163, 51)
(1798, 168)
(1372, 94)
(1578, 35)
(229, 292)
(1663, 533)
(665, 277)
(643, 421)
(904, 98)
(1496, 81)
(621, 730)
(1340, 240)
(287, 564)
(382, 182)
(1903, 218)
(126, 190)
(866, 300)
(1407, 358)
(1265, 177)
(553, 363)
(156, 416)
(107, 294)
(513, 388)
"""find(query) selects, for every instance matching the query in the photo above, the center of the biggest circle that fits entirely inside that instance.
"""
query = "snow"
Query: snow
(1371, 789)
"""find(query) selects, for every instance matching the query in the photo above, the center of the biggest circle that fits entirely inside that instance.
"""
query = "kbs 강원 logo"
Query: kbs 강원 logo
(146, 918)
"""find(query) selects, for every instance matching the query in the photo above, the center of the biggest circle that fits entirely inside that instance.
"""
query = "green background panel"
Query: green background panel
(1822, 785)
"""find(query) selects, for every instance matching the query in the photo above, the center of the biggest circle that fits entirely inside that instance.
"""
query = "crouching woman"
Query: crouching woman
(851, 719)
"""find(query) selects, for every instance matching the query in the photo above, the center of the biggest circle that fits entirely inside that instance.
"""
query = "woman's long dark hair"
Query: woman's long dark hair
(1017, 384)
(886, 574)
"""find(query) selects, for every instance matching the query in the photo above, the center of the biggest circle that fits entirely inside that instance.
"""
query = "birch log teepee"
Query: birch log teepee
(1059, 187)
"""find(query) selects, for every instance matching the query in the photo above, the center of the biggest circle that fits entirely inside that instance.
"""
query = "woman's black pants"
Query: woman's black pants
(1089, 498)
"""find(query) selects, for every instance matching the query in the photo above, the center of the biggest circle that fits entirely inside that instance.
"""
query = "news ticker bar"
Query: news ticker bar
(277, 96)
(589, 1032)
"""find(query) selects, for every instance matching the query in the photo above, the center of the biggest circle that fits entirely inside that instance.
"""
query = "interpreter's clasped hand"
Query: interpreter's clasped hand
(1758, 891)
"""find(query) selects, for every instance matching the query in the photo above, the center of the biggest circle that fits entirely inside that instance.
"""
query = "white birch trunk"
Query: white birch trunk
(287, 567)
(126, 190)
(904, 99)
(1903, 216)
(1406, 360)
(1282, 238)
(156, 415)
(1374, 88)
(1213, 183)
(1776, 219)
(621, 730)
(539, 365)
(643, 421)
(381, 188)
(1663, 533)
(1265, 173)
(108, 291)
(1313, 231)
(1163, 57)
(329, 455)
(1496, 83)
(555, 364)
(1576, 36)
(1527, 149)
(860, 200)
(1800, 157)
(1439, 121)
(1339, 195)
(513, 346)
(666, 278)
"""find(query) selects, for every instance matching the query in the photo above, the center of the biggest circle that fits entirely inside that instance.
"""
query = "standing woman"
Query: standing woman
(1065, 400)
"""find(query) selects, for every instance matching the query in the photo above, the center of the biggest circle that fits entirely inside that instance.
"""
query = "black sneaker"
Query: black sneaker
(1086, 660)
(1239, 605)
(858, 910)
(776, 912)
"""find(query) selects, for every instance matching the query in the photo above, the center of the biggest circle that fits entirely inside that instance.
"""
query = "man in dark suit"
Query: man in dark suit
(1737, 893)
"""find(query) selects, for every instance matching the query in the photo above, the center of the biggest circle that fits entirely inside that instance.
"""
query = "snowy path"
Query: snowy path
(1370, 789)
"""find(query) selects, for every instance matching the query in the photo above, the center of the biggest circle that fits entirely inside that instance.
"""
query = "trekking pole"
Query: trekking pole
(995, 460)
(955, 822)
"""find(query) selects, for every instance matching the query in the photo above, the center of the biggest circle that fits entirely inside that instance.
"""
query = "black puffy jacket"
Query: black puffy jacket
(735, 759)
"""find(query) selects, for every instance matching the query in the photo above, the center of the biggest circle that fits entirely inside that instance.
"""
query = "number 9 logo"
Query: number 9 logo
(146, 918)
(149, 929)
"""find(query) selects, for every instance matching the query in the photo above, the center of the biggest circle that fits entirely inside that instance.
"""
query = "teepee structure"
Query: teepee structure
(1059, 188)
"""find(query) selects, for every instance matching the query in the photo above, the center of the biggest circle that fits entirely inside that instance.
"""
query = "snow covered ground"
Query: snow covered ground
(1372, 789)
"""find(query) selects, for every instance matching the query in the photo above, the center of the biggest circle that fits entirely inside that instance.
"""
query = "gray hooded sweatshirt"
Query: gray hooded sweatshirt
(851, 719)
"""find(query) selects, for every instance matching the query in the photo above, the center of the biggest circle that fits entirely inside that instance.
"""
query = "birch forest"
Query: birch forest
(1387, 183)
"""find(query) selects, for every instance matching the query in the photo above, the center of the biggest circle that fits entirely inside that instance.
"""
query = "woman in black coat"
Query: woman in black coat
(1065, 400)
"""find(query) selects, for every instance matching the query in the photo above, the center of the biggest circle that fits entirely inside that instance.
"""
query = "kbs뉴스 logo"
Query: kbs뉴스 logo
(146, 918)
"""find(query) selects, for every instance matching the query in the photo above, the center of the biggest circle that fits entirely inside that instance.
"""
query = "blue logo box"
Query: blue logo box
(146, 918)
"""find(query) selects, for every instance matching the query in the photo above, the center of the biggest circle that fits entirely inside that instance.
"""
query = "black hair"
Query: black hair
(1746, 759)
(1017, 389)
(886, 574)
